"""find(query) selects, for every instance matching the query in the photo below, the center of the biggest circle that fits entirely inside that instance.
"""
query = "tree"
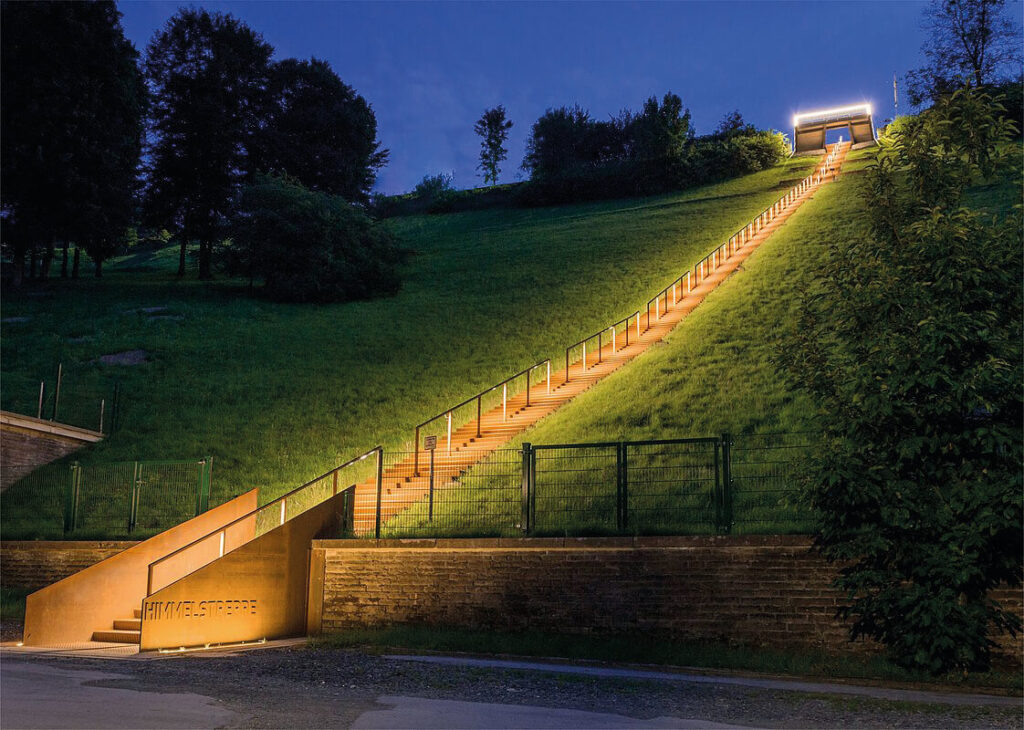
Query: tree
(208, 74)
(660, 132)
(969, 42)
(309, 246)
(493, 129)
(910, 343)
(72, 116)
(319, 131)
(560, 140)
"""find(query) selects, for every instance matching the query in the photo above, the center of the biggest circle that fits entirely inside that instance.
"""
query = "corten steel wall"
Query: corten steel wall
(27, 443)
(757, 590)
(257, 591)
(34, 564)
(71, 610)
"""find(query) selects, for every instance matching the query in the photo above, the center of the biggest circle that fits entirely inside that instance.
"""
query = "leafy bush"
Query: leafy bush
(911, 344)
(309, 247)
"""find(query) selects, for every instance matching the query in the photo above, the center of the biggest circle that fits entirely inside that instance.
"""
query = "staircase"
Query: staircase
(125, 630)
(402, 488)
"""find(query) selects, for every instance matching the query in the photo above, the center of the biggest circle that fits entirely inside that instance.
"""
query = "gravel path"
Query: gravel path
(301, 687)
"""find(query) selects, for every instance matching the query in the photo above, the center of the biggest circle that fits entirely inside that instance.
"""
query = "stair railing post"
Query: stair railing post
(549, 377)
(39, 411)
(449, 432)
(416, 453)
(478, 415)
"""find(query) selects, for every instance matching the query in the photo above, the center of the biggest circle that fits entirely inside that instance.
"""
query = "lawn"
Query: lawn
(279, 393)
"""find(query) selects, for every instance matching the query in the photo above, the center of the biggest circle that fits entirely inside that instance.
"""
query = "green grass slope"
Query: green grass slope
(278, 393)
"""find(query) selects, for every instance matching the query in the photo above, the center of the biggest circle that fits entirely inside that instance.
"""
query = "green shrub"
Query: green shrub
(308, 246)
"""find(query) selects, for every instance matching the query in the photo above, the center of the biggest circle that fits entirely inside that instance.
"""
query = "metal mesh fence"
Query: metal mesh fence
(670, 487)
(767, 483)
(466, 494)
(575, 489)
(124, 499)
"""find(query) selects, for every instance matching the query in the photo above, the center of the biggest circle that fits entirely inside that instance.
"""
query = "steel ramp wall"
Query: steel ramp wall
(71, 610)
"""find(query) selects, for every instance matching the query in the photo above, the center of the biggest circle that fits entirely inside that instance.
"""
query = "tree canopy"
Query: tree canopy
(910, 342)
(73, 103)
(493, 127)
(970, 42)
(319, 131)
(208, 73)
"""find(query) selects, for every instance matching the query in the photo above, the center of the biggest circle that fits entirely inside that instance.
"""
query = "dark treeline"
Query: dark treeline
(572, 157)
(100, 145)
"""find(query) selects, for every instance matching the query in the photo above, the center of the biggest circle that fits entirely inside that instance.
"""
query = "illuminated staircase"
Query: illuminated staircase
(125, 630)
(402, 488)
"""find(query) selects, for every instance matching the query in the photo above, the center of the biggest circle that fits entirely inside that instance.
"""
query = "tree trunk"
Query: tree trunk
(205, 249)
(19, 267)
(44, 272)
(64, 261)
(32, 259)
(74, 266)
(99, 268)
(181, 255)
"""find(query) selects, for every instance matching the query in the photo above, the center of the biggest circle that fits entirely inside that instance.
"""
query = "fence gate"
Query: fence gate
(673, 486)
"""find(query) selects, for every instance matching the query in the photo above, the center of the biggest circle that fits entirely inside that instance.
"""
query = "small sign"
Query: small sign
(430, 443)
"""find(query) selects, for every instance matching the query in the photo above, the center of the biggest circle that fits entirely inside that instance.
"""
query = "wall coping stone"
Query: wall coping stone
(586, 543)
(66, 544)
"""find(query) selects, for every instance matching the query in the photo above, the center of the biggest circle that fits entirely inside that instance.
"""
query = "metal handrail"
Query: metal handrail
(379, 450)
(656, 299)
(478, 398)
(600, 341)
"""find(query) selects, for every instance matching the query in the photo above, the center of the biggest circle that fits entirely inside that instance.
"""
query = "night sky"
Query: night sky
(430, 69)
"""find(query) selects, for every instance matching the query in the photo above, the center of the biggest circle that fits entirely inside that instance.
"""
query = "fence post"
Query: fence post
(430, 514)
(71, 497)
(623, 491)
(527, 486)
(726, 483)
(380, 484)
(39, 411)
(205, 478)
(56, 393)
(133, 513)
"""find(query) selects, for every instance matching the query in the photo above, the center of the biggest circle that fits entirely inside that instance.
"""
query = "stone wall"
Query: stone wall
(27, 443)
(759, 591)
(34, 564)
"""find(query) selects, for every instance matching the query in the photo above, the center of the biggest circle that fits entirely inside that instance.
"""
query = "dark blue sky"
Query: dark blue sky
(430, 69)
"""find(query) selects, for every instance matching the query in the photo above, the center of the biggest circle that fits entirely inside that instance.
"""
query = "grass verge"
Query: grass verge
(647, 649)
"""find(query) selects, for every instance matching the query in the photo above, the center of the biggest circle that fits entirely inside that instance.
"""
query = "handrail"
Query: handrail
(656, 299)
(379, 450)
(715, 258)
(600, 341)
(478, 398)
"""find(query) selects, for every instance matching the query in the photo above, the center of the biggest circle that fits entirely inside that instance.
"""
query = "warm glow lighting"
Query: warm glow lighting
(864, 108)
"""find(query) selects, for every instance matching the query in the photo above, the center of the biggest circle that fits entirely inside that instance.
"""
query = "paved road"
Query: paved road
(42, 696)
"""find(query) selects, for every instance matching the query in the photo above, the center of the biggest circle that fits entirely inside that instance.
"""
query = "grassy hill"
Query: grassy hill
(279, 393)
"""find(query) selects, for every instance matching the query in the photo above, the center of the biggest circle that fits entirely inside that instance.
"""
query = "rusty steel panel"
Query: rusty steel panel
(258, 591)
(69, 611)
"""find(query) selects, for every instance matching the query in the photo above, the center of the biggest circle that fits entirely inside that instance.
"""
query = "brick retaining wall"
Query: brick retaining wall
(31, 565)
(760, 591)
(27, 443)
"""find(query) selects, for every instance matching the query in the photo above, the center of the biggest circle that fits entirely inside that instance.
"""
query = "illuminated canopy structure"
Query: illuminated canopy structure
(809, 128)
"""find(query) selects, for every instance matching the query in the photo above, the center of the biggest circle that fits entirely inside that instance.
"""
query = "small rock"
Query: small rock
(128, 357)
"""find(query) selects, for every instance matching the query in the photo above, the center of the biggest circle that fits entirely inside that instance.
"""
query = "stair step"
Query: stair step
(137, 613)
(128, 624)
(118, 637)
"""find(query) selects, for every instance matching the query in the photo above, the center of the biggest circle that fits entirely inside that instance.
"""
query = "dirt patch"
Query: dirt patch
(128, 357)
